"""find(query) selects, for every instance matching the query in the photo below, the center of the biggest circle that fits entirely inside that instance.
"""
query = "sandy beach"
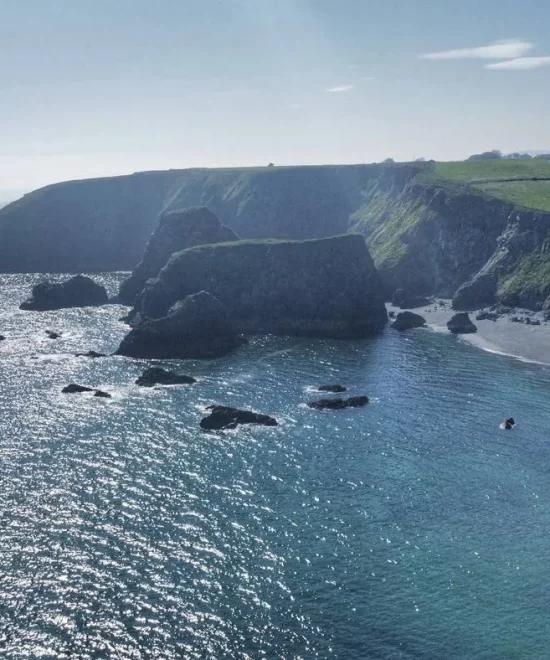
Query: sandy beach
(525, 342)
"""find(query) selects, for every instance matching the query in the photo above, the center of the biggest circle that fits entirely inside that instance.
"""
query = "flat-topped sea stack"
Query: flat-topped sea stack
(176, 230)
(317, 288)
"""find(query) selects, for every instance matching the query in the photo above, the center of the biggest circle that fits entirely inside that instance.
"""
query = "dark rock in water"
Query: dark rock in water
(224, 417)
(197, 327)
(103, 395)
(53, 335)
(486, 316)
(158, 376)
(319, 288)
(414, 302)
(176, 231)
(509, 423)
(461, 323)
(332, 388)
(479, 291)
(2, 338)
(79, 291)
(91, 354)
(73, 388)
(408, 320)
(391, 314)
(535, 322)
(339, 404)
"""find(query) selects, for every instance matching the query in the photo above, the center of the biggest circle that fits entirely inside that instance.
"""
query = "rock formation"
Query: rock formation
(196, 327)
(224, 417)
(478, 292)
(339, 404)
(158, 376)
(461, 323)
(176, 231)
(321, 288)
(335, 389)
(79, 291)
(408, 320)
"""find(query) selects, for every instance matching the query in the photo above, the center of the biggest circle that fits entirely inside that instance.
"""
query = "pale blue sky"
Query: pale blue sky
(100, 87)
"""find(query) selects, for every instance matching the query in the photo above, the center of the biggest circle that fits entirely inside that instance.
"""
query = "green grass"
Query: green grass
(531, 274)
(470, 171)
(531, 194)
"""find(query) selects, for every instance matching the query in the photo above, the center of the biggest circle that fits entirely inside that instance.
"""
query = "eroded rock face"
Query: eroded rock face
(338, 403)
(546, 309)
(461, 324)
(196, 327)
(79, 291)
(157, 376)
(322, 288)
(176, 231)
(478, 292)
(224, 417)
(408, 320)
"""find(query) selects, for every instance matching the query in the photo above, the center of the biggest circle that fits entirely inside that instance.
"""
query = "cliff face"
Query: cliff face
(327, 287)
(176, 230)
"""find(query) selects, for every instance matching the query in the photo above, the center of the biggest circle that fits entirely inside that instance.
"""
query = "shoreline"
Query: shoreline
(527, 343)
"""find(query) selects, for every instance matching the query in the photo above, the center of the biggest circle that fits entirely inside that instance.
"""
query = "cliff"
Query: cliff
(430, 227)
(326, 287)
(176, 230)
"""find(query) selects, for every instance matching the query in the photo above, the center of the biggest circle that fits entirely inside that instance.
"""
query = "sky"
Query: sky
(102, 87)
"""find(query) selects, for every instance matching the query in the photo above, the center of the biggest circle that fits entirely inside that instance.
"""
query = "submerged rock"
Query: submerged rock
(408, 320)
(224, 417)
(103, 395)
(79, 291)
(176, 231)
(158, 376)
(91, 354)
(2, 338)
(73, 388)
(461, 323)
(332, 388)
(53, 335)
(509, 423)
(339, 404)
(197, 327)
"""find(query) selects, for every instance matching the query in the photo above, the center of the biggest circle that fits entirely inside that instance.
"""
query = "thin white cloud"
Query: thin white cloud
(497, 50)
(367, 78)
(521, 63)
(340, 88)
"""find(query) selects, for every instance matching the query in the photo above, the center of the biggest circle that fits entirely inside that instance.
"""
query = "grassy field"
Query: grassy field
(531, 194)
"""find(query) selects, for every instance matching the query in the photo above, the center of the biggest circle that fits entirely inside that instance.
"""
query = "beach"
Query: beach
(503, 336)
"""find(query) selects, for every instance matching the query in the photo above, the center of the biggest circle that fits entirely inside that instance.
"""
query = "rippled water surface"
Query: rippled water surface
(412, 528)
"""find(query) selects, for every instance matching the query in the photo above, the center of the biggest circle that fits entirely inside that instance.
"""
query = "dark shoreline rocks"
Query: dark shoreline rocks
(158, 376)
(197, 327)
(408, 320)
(74, 388)
(225, 417)
(461, 323)
(338, 403)
(79, 291)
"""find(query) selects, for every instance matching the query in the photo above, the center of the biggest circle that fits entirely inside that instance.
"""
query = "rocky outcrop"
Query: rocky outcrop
(176, 231)
(224, 417)
(196, 327)
(335, 389)
(321, 288)
(406, 300)
(157, 376)
(478, 292)
(79, 291)
(461, 323)
(339, 404)
(74, 388)
(408, 320)
(91, 354)
(546, 309)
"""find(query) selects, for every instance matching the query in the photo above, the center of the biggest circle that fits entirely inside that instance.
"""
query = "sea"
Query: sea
(412, 528)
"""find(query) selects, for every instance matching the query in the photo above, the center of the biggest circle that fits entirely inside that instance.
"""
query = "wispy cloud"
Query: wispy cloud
(366, 78)
(520, 63)
(340, 88)
(508, 49)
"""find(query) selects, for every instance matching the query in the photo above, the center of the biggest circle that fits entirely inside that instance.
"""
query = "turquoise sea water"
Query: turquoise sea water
(412, 528)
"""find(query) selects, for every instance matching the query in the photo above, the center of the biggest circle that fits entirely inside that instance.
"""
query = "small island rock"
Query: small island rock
(336, 389)
(91, 354)
(79, 291)
(339, 404)
(103, 395)
(461, 324)
(224, 417)
(73, 388)
(408, 320)
(158, 376)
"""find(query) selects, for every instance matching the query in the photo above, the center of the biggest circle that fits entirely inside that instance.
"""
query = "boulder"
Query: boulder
(101, 394)
(408, 320)
(413, 302)
(2, 338)
(320, 288)
(339, 404)
(91, 354)
(486, 316)
(79, 291)
(332, 388)
(197, 327)
(224, 417)
(176, 231)
(158, 376)
(73, 388)
(461, 323)
(53, 335)
(479, 291)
